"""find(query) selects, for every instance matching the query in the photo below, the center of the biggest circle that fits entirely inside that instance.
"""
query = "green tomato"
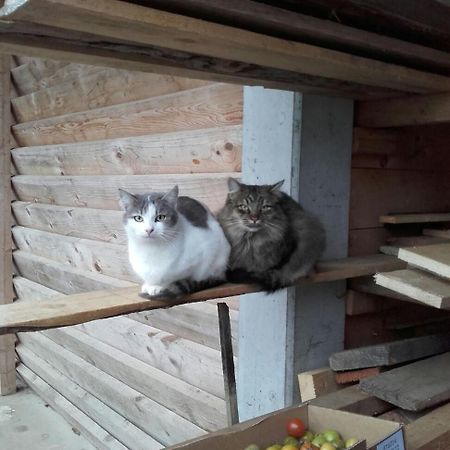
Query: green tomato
(318, 441)
(350, 442)
(308, 436)
(327, 446)
(331, 435)
(274, 447)
(339, 444)
(252, 447)
(289, 440)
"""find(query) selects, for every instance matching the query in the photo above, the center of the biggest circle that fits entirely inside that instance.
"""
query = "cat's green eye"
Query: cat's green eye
(160, 218)
(138, 218)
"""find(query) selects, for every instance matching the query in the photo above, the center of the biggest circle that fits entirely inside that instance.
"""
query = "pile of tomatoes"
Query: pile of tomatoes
(298, 438)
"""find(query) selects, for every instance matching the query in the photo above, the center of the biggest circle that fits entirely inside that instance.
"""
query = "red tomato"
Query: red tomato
(295, 427)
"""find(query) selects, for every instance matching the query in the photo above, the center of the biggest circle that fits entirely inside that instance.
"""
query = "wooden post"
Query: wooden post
(305, 140)
(7, 356)
(226, 349)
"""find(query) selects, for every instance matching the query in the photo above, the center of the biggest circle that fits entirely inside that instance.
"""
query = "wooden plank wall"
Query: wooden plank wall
(81, 133)
(395, 170)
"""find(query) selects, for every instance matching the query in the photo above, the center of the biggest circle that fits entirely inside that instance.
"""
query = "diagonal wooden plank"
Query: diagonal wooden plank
(415, 386)
(419, 285)
(433, 258)
(78, 308)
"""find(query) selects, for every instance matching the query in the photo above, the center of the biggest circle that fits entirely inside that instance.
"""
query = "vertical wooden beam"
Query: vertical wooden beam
(7, 356)
(226, 348)
(307, 141)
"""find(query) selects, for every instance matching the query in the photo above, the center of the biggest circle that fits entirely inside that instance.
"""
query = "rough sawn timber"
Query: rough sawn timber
(79, 308)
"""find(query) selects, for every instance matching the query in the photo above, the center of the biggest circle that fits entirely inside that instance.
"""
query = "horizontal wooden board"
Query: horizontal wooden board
(194, 363)
(30, 290)
(415, 386)
(159, 422)
(104, 88)
(433, 258)
(194, 404)
(81, 254)
(399, 112)
(119, 427)
(97, 224)
(102, 192)
(62, 277)
(208, 150)
(419, 285)
(145, 27)
(84, 307)
(379, 192)
(206, 107)
(93, 432)
(415, 218)
(445, 234)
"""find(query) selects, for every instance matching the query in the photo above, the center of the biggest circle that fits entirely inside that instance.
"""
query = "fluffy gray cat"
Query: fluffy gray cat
(175, 244)
(273, 240)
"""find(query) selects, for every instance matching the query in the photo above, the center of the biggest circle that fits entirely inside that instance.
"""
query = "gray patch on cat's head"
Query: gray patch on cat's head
(194, 211)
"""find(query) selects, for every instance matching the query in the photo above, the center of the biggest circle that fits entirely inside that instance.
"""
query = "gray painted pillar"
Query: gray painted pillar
(305, 140)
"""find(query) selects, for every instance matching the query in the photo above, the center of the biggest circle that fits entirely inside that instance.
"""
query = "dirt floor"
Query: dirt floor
(26, 422)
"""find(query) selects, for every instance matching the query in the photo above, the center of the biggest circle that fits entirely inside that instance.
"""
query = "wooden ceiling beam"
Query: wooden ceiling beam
(141, 26)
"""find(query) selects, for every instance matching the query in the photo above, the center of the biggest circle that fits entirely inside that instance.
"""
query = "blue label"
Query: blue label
(393, 442)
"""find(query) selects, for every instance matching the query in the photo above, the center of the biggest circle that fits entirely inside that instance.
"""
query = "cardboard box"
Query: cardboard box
(374, 434)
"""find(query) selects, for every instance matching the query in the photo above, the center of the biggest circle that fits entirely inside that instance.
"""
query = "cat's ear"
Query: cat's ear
(171, 197)
(127, 200)
(233, 185)
(276, 187)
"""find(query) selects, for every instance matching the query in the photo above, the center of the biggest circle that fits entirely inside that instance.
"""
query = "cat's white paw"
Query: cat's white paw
(151, 289)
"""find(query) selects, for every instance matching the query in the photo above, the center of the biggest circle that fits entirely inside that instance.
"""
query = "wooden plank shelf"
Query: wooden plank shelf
(79, 308)
(415, 218)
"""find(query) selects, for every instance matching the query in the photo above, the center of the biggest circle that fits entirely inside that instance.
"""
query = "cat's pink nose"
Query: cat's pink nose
(254, 218)
(149, 231)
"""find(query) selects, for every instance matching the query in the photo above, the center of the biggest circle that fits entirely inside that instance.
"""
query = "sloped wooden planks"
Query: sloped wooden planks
(205, 107)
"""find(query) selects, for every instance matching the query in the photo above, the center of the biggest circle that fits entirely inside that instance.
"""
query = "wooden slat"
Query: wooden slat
(414, 110)
(7, 362)
(97, 224)
(390, 353)
(30, 290)
(415, 386)
(208, 150)
(378, 192)
(160, 423)
(205, 107)
(102, 192)
(62, 277)
(194, 404)
(95, 305)
(419, 285)
(433, 258)
(316, 383)
(430, 432)
(415, 218)
(113, 423)
(79, 420)
(105, 88)
(81, 254)
(184, 359)
(145, 26)
(444, 234)
(27, 76)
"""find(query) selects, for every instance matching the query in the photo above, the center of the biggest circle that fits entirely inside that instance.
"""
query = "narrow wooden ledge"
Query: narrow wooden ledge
(79, 308)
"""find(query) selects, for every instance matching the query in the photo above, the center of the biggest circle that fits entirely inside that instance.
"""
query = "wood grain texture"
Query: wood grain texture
(84, 307)
(206, 107)
(93, 432)
(194, 404)
(7, 362)
(379, 192)
(80, 254)
(147, 27)
(415, 218)
(102, 192)
(97, 224)
(444, 234)
(316, 383)
(97, 90)
(113, 423)
(208, 150)
(160, 423)
(414, 110)
(415, 386)
(419, 285)
(62, 277)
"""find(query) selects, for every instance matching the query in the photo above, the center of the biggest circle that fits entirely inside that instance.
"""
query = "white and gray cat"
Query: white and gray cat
(274, 241)
(175, 244)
